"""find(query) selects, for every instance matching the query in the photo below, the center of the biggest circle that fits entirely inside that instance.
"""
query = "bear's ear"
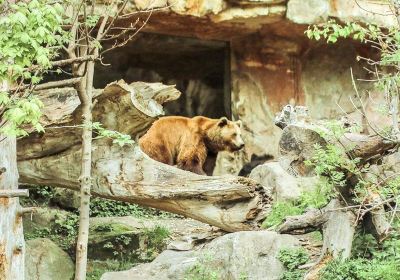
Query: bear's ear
(239, 123)
(222, 121)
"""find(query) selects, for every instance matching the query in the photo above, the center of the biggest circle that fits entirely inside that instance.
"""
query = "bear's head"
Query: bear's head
(225, 135)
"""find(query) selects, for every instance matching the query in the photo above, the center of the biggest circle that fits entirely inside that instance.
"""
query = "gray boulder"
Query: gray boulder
(248, 255)
(279, 183)
(44, 260)
(43, 219)
(66, 199)
(111, 237)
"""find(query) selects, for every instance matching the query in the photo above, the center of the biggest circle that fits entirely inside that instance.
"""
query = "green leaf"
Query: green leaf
(24, 37)
(4, 99)
(39, 127)
(35, 79)
(20, 17)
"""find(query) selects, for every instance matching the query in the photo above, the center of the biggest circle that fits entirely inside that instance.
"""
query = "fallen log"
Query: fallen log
(126, 173)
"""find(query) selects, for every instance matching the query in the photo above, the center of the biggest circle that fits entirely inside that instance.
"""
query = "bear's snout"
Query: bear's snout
(238, 147)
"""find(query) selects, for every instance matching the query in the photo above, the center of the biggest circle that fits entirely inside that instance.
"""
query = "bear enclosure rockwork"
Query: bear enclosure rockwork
(126, 173)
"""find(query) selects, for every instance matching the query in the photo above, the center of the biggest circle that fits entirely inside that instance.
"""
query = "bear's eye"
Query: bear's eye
(234, 134)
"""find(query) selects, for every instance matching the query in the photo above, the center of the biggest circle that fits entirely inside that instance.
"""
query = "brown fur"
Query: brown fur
(185, 142)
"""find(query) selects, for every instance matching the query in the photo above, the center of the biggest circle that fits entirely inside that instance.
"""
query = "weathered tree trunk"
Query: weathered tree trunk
(12, 246)
(336, 223)
(127, 174)
(85, 179)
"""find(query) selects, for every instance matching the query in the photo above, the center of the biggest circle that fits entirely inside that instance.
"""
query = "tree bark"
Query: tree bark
(85, 178)
(12, 246)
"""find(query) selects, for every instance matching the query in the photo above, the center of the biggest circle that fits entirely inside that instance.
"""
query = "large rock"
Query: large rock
(282, 185)
(143, 238)
(326, 79)
(317, 11)
(252, 16)
(44, 260)
(240, 255)
(66, 199)
(197, 8)
(43, 219)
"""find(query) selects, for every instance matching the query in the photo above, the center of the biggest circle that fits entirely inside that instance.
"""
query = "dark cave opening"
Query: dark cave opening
(200, 70)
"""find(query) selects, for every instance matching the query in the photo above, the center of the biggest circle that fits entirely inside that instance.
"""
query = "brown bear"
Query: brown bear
(185, 142)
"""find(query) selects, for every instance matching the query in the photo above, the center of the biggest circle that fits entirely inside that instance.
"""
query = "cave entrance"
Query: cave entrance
(199, 68)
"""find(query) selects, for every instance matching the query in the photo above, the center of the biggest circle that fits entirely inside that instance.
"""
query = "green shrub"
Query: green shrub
(361, 269)
(292, 258)
(156, 238)
(279, 211)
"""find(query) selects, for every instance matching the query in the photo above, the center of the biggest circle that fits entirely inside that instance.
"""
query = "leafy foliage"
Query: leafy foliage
(203, 269)
(101, 207)
(117, 137)
(31, 33)
(279, 211)
(30, 36)
(97, 268)
(369, 33)
(361, 269)
(365, 246)
(292, 258)
(22, 112)
(156, 238)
